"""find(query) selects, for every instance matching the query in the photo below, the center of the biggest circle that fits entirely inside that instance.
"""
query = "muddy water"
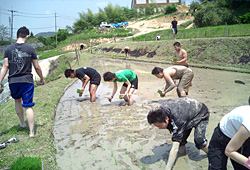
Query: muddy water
(113, 136)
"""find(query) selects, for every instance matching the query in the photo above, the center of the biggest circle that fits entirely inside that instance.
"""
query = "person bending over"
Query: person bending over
(86, 74)
(184, 74)
(130, 80)
(231, 138)
(180, 116)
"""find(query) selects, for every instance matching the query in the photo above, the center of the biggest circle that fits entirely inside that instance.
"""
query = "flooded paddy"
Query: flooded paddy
(114, 136)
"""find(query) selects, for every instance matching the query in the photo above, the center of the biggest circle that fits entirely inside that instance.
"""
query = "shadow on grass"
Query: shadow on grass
(16, 129)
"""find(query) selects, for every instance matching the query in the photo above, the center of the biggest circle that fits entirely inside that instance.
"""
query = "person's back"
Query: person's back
(20, 56)
(87, 70)
(180, 71)
(185, 112)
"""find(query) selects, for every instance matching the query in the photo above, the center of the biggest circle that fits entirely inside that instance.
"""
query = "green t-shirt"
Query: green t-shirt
(124, 75)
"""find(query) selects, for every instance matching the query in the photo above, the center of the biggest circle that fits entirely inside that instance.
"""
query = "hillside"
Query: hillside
(45, 34)
(209, 52)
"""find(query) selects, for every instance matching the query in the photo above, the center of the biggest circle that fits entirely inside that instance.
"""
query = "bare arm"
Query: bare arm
(114, 91)
(128, 88)
(4, 69)
(172, 155)
(38, 70)
(169, 81)
(235, 143)
(85, 81)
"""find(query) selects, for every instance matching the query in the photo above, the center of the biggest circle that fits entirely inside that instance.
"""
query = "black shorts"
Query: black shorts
(96, 79)
(134, 83)
(216, 151)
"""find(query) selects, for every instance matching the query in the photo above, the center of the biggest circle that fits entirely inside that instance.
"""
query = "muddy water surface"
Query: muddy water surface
(113, 136)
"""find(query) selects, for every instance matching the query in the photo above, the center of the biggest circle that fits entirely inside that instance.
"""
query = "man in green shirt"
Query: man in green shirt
(130, 83)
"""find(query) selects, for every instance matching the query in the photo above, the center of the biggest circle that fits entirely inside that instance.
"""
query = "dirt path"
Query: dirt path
(45, 65)
(107, 136)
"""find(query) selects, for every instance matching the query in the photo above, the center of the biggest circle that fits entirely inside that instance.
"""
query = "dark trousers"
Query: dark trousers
(216, 154)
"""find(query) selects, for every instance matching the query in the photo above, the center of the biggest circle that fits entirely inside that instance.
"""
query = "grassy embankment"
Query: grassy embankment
(215, 53)
(45, 97)
(85, 39)
(205, 32)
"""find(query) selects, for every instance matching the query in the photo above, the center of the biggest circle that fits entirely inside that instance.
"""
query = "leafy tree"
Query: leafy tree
(80, 25)
(194, 7)
(149, 10)
(4, 33)
(170, 9)
(245, 18)
(31, 35)
(62, 34)
(43, 40)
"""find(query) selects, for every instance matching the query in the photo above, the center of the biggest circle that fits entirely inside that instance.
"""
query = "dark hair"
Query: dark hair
(177, 44)
(158, 114)
(68, 72)
(23, 32)
(108, 76)
(157, 70)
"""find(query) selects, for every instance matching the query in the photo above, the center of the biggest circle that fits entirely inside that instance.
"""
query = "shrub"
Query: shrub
(245, 18)
(170, 9)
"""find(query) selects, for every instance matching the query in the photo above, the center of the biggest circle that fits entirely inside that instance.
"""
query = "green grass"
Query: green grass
(205, 32)
(45, 97)
(28, 163)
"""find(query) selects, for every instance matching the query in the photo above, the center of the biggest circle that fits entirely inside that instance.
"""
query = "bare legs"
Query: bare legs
(128, 98)
(29, 115)
(92, 91)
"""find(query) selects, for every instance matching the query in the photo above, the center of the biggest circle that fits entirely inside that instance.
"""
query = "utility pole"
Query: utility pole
(12, 11)
(9, 26)
(55, 29)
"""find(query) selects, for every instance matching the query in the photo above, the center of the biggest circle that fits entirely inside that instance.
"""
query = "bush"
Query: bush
(170, 9)
(245, 18)
(27, 163)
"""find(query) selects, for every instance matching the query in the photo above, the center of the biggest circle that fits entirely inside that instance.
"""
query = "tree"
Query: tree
(149, 10)
(31, 35)
(170, 9)
(80, 25)
(4, 33)
(62, 34)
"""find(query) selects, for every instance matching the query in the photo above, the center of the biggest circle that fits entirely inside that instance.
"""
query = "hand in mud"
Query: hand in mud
(42, 81)
(110, 99)
(162, 94)
(1, 89)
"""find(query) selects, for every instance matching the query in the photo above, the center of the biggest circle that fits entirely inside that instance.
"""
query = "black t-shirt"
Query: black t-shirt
(80, 72)
(20, 56)
(186, 113)
(174, 24)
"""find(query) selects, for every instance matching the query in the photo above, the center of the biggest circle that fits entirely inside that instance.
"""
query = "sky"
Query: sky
(39, 15)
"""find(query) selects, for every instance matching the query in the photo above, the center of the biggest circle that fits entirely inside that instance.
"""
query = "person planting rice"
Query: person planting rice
(126, 51)
(180, 116)
(86, 74)
(130, 80)
(231, 138)
(184, 74)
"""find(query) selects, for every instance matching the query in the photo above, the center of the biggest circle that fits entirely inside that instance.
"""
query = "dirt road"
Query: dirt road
(111, 136)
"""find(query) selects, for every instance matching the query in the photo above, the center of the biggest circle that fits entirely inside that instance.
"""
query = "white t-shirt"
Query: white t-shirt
(232, 122)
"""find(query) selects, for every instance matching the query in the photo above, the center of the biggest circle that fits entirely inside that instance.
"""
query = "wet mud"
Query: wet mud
(111, 135)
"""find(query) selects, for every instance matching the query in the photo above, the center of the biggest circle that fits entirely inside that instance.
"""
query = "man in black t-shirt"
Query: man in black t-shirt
(179, 116)
(86, 74)
(174, 26)
(18, 58)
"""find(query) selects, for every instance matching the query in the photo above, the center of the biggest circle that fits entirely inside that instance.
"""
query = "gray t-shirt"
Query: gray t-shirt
(185, 113)
(20, 58)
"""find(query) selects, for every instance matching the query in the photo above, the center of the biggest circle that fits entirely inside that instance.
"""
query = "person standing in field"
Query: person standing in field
(174, 27)
(184, 74)
(86, 74)
(181, 54)
(180, 116)
(18, 59)
(130, 80)
(231, 138)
